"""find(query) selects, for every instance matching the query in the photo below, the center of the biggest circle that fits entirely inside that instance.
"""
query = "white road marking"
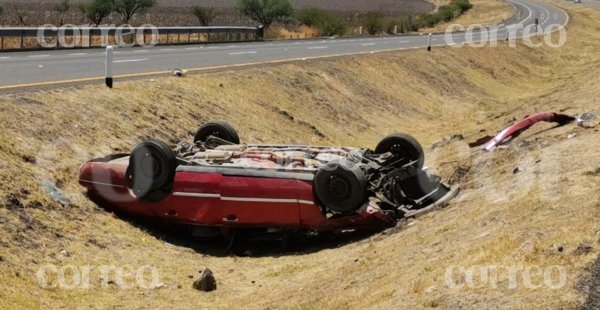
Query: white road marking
(167, 49)
(368, 44)
(77, 54)
(141, 51)
(38, 56)
(242, 53)
(4, 57)
(191, 48)
(130, 60)
(318, 47)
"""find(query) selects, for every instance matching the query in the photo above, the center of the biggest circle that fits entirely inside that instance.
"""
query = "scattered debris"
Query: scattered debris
(160, 285)
(582, 249)
(519, 127)
(65, 253)
(446, 141)
(588, 120)
(54, 192)
(207, 282)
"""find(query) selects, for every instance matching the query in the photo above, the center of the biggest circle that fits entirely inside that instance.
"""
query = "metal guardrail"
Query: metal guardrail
(87, 34)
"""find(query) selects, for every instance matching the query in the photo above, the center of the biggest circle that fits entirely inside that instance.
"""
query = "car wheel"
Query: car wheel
(403, 145)
(341, 187)
(151, 170)
(217, 129)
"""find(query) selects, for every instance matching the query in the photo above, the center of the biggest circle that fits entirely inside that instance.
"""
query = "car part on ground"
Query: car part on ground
(217, 182)
(517, 128)
(588, 120)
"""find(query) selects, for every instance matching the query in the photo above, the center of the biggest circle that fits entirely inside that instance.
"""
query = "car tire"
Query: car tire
(341, 187)
(403, 145)
(151, 170)
(217, 129)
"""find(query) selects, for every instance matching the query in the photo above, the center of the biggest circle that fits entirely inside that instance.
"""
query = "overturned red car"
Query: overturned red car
(217, 182)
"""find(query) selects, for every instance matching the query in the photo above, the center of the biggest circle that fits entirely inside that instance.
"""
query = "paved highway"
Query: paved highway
(19, 69)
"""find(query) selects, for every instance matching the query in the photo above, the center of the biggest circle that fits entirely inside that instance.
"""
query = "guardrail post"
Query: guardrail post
(22, 39)
(1, 43)
(108, 68)
(429, 42)
(260, 33)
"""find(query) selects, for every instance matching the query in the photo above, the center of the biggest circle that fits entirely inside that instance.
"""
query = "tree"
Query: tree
(266, 11)
(205, 15)
(128, 8)
(98, 9)
(62, 8)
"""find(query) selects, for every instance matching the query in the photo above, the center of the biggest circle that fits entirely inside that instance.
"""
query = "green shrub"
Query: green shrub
(374, 23)
(325, 21)
(445, 13)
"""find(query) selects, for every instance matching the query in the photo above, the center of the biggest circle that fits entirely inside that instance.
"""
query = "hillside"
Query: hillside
(546, 213)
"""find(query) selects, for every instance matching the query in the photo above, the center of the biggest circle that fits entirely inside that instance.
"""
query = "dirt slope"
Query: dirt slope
(538, 216)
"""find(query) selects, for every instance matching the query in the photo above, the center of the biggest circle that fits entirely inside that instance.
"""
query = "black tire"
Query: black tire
(151, 170)
(217, 129)
(403, 145)
(340, 187)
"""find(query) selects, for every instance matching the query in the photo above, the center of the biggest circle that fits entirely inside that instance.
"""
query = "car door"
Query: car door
(259, 201)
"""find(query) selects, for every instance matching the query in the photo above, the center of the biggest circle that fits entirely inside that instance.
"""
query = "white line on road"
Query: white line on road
(242, 53)
(167, 49)
(77, 54)
(368, 44)
(4, 57)
(141, 51)
(191, 48)
(318, 47)
(38, 56)
(130, 60)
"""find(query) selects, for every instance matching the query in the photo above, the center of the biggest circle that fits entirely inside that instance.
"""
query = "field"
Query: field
(546, 213)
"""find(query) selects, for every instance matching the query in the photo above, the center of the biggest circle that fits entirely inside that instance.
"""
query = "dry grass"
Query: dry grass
(499, 218)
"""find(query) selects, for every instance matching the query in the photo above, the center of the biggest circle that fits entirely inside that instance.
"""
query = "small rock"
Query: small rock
(160, 285)
(190, 276)
(207, 282)
(559, 248)
(65, 253)
(221, 85)
(178, 73)
(356, 260)
(179, 286)
(253, 282)
(571, 136)
(410, 224)
(582, 249)
(517, 170)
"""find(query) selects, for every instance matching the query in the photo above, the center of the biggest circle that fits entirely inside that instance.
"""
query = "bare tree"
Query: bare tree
(19, 13)
(62, 8)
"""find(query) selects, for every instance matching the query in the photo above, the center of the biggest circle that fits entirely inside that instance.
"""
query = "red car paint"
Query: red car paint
(229, 201)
